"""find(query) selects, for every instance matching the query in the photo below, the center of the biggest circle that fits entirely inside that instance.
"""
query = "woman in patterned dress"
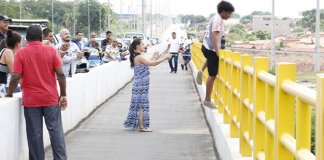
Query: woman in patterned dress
(138, 116)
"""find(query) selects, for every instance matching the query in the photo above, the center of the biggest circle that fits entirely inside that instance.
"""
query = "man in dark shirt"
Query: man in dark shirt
(105, 42)
(77, 40)
(4, 26)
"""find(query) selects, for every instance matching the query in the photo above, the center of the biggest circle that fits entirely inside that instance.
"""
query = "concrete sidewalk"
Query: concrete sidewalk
(180, 130)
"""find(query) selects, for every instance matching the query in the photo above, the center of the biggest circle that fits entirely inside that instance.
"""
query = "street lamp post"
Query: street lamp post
(108, 18)
(317, 66)
(273, 35)
(20, 5)
(53, 29)
(88, 19)
(143, 16)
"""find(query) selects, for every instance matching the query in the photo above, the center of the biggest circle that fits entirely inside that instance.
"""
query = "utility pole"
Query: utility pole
(273, 35)
(151, 19)
(74, 18)
(20, 5)
(52, 16)
(143, 17)
(317, 65)
(108, 18)
(88, 19)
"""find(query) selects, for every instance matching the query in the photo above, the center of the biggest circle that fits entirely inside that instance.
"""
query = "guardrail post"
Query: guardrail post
(320, 118)
(227, 74)
(246, 60)
(234, 101)
(285, 109)
(260, 64)
(270, 112)
(221, 84)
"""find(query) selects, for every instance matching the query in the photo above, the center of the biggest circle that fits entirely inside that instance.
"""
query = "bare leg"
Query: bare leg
(209, 87)
(141, 123)
(204, 66)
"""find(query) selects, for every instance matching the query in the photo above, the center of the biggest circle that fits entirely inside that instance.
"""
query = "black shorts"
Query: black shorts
(212, 61)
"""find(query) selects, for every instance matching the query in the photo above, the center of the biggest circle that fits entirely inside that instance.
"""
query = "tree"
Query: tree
(250, 16)
(309, 19)
(235, 15)
(194, 19)
(239, 29)
(263, 35)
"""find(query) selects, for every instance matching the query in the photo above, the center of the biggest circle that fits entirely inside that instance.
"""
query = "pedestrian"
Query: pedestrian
(186, 55)
(106, 41)
(138, 116)
(4, 26)
(48, 37)
(173, 49)
(211, 47)
(38, 66)
(78, 39)
(70, 53)
(13, 43)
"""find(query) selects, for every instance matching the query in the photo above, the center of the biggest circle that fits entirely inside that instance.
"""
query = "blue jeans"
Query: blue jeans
(34, 127)
(175, 58)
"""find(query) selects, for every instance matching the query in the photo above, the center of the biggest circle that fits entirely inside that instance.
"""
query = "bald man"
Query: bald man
(69, 51)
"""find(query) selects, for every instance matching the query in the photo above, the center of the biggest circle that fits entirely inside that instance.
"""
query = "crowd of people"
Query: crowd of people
(77, 56)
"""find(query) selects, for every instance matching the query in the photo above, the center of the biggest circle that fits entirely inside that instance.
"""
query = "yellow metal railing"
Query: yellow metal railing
(271, 115)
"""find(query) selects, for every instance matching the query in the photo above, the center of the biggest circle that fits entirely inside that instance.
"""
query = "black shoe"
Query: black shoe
(186, 68)
(175, 72)
(182, 66)
(171, 71)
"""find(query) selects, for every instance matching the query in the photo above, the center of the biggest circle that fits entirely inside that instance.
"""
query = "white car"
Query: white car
(128, 38)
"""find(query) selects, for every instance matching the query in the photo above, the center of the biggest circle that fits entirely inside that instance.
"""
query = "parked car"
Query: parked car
(21, 25)
(128, 38)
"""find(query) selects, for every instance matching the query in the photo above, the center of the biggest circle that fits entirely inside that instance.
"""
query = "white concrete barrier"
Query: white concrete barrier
(227, 148)
(85, 92)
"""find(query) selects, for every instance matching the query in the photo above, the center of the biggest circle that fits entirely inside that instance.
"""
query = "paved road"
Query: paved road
(180, 130)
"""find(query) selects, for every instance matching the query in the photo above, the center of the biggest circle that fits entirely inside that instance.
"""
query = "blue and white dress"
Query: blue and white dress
(140, 98)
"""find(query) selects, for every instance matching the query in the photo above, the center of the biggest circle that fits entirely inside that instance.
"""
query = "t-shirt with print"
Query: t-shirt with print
(36, 63)
(215, 24)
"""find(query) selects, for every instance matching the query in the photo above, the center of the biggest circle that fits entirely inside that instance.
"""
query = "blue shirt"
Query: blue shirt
(77, 43)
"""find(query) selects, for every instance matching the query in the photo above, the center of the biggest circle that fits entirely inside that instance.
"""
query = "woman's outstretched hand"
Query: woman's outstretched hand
(156, 54)
(167, 56)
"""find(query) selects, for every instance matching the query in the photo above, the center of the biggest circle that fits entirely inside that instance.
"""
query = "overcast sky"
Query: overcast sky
(205, 7)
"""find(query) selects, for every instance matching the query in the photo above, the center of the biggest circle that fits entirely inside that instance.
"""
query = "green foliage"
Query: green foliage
(309, 19)
(194, 19)
(63, 13)
(263, 35)
(248, 18)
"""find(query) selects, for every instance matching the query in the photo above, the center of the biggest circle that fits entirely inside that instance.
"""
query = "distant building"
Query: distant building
(282, 27)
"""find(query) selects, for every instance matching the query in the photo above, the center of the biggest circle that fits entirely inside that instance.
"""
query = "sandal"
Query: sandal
(144, 130)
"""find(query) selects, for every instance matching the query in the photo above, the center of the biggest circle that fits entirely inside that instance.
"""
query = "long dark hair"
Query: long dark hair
(12, 39)
(132, 52)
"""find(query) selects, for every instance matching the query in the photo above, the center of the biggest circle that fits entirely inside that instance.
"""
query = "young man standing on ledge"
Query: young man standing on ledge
(211, 47)
(36, 66)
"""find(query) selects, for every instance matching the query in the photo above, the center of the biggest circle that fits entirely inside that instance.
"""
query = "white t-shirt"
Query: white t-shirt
(174, 45)
(187, 44)
(215, 24)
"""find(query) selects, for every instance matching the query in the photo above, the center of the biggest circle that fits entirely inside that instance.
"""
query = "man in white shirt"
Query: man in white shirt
(174, 48)
(211, 48)
(69, 52)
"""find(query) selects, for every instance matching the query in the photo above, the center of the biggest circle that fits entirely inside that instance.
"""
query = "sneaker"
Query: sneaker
(209, 105)
(199, 77)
